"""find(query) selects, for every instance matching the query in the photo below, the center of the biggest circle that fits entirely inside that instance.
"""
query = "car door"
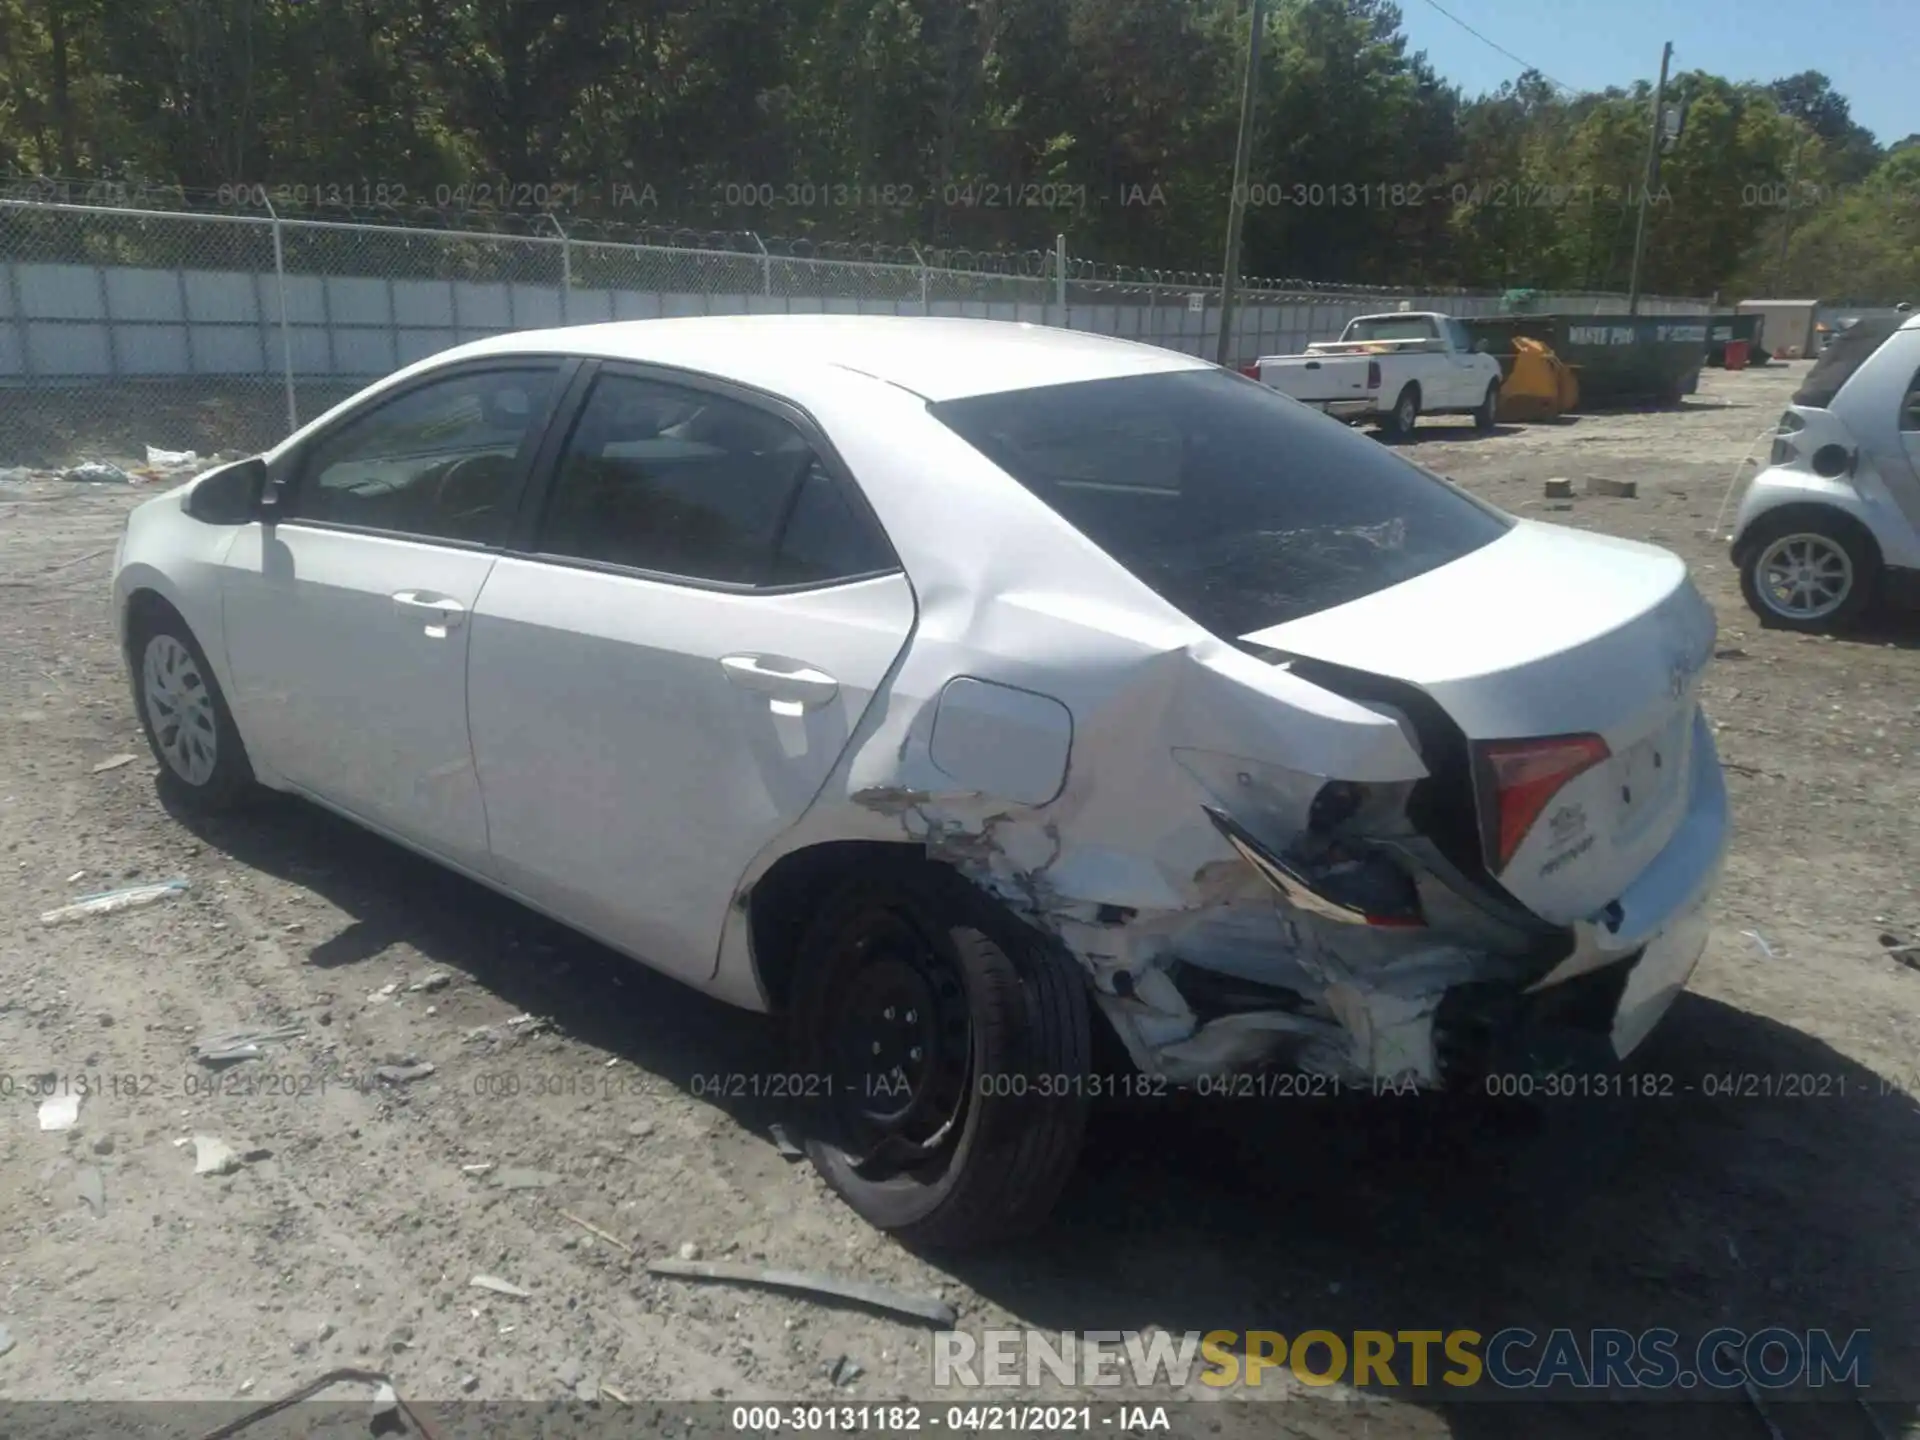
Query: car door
(346, 613)
(1906, 488)
(1467, 375)
(666, 673)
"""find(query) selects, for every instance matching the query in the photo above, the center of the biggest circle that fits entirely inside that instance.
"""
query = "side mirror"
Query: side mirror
(232, 494)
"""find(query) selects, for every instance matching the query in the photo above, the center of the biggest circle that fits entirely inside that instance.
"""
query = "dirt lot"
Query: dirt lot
(353, 1234)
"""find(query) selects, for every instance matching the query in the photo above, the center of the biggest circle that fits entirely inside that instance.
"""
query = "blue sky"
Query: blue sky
(1865, 47)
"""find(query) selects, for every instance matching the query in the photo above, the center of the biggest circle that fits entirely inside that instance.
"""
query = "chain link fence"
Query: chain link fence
(123, 329)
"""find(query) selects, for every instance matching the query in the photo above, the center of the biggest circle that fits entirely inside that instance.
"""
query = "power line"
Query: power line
(1501, 48)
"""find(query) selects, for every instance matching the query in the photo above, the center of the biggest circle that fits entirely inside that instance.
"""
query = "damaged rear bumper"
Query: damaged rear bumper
(1431, 1013)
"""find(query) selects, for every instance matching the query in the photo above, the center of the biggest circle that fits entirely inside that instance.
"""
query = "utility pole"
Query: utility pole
(1786, 225)
(1653, 170)
(1237, 208)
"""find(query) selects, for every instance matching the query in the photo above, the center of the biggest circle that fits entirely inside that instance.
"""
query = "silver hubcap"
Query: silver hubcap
(180, 709)
(1804, 577)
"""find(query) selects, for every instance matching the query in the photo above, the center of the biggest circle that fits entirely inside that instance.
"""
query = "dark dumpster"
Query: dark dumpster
(1619, 358)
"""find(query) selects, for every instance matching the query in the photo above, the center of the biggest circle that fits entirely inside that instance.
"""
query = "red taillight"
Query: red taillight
(1373, 374)
(1521, 777)
(1251, 370)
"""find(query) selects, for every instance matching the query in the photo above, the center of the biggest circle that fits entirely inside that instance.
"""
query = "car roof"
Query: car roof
(935, 357)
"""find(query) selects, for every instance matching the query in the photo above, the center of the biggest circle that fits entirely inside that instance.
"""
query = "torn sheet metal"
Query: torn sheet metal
(1124, 866)
(1057, 733)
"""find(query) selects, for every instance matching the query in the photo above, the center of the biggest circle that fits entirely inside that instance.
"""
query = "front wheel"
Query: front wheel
(1484, 417)
(185, 717)
(946, 1047)
(1809, 573)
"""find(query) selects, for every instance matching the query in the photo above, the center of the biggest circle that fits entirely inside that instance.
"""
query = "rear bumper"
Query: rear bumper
(1597, 1005)
(1346, 409)
(1863, 499)
(1450, 1017)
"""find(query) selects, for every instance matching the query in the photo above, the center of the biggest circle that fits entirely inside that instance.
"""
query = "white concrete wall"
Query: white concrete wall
(68, 323)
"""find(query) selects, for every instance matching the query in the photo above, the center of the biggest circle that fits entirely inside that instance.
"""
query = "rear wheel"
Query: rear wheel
(1483, 418)
(946, 1049)
(185, 717)
(1809, 572)
(1399, 421)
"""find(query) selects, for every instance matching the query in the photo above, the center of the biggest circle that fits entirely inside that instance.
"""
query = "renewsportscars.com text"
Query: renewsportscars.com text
(1510, 1359)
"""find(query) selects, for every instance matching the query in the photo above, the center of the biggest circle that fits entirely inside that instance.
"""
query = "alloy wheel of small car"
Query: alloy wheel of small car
(1804, 577)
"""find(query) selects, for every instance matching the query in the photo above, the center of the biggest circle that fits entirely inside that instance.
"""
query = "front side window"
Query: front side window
(441, 462)
(1235, 504)
(679, 482)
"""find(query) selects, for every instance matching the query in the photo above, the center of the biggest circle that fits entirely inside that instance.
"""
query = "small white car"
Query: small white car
(1831, 528)
(970, 693)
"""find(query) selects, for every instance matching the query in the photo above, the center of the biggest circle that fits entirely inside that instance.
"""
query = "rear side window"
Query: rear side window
(1910, 405)
(1850, 349)
(683, 483)
(1234, 503)
(828, 536)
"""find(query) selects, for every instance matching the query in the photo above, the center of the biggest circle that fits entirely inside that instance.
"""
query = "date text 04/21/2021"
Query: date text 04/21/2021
(951, 1419)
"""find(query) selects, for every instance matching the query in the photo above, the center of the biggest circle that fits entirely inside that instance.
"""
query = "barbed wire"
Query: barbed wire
(129, 194)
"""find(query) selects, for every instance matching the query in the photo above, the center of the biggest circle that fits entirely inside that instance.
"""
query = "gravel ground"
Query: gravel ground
(353, 1232)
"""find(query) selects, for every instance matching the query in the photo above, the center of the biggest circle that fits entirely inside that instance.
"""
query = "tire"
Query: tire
(983, 1141)
(1810, 547)
(1399, 421)
(185, 716)
(1487, 415)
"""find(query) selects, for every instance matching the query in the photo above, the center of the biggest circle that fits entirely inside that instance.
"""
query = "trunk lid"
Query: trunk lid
(1546, 632)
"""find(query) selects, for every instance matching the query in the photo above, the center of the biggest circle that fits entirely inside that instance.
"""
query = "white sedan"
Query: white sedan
(969, 693)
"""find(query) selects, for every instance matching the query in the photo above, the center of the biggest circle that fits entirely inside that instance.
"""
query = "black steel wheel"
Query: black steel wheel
(946, 1049)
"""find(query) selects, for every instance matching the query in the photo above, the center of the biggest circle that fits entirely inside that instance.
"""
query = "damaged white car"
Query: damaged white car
(956, 689)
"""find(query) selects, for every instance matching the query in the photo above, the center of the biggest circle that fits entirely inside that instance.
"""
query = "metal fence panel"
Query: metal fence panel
(121, 328)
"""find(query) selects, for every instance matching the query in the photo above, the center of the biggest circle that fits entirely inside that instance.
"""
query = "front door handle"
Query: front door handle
(437, 613)
(791, 685)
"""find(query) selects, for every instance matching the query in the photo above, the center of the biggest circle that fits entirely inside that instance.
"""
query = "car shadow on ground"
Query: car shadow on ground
(1769, 1181)
(392, 896)
(1898, 628)
(1882, 628)
(1747, 1206)
(1448, 430)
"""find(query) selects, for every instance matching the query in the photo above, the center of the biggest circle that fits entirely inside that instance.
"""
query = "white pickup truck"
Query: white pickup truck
(1392, 368)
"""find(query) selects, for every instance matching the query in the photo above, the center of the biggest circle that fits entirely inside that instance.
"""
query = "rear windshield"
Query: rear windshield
(1847, 353)
(1396, 327)
(1233, 502)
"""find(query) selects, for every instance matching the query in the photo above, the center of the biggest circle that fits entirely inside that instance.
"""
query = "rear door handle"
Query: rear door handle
(791, 685)
(437, 613)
